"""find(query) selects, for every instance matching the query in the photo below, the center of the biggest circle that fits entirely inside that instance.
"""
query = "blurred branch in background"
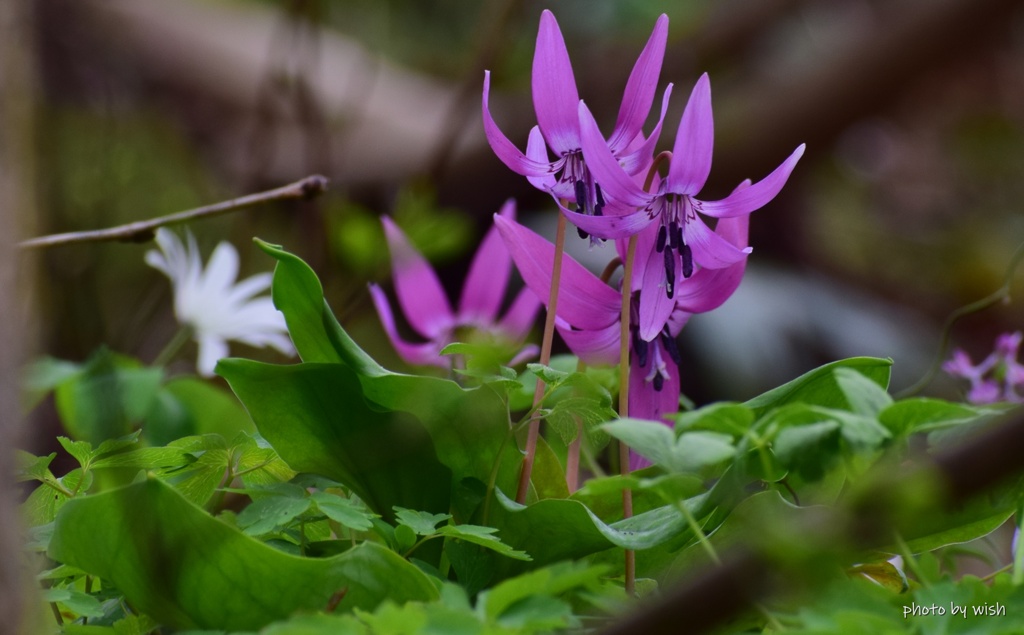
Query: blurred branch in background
(17, 211)
(142, 231)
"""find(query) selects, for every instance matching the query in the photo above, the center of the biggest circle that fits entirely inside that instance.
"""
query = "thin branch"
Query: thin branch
(142, 231)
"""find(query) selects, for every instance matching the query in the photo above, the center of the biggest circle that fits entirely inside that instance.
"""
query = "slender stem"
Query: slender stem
(545, 359)
(627, 494)
(572, 457)
(141, 231)
(173, 346)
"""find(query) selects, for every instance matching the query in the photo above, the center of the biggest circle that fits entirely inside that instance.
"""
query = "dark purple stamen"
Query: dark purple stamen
(671, 346)
(641, 348)
(687, 255)
(662, 235)
(581, 196)
(600, 197)
(674, 235)
(670, 273)
(659, 382)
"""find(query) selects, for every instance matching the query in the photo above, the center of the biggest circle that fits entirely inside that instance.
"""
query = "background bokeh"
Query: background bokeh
(906, 205)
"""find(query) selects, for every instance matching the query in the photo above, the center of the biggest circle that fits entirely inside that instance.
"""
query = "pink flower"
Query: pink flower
(426, 307)
(556, 103)
(998, 377)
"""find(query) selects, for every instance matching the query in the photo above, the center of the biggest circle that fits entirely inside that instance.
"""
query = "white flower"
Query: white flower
(212, 305)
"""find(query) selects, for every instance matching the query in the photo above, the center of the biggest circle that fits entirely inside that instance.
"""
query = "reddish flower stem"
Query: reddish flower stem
(545, 358)
(627, 494)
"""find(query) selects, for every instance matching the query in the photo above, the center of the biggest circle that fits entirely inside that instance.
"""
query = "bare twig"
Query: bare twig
(142, 231)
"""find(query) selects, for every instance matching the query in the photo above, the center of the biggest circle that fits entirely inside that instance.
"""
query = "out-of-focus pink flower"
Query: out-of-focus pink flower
(999, 377)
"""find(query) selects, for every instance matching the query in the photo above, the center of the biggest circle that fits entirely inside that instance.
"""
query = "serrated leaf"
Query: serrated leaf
(81, 451)
(483, 536)
(422, 523)
(146, 459)
(343, 511)
(79, 603)
(273, 511)
(189, 570)
(33, 468)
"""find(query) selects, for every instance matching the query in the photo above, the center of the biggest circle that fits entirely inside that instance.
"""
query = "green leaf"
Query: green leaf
(107, 398)
(275, 508)
(315, 331)
(80, 450)
(317, 624)
(343, 511)
(689, 452)
(865, 396)
(186, 569)
(820, 386)
(316, 417)
(422, 523)
(43, 375)
(549, 582)
(808, 449)
(732, 418)
(484, 537)
(923, 414)
(79, 603)
(33, 468)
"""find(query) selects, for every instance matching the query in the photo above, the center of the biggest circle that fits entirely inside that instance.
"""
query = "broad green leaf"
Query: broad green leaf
(923, 414)
(808, 449)
(483, 536)
(186, 569)
(689, 452)
(422, 523)
(317, 335)
(819, 387)
(865, 396)
(732, 418)
(343, 511)
(316, 418)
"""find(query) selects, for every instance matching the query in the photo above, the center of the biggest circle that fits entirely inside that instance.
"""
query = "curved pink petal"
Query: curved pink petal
(598, 346)
(609, 227)
(519, 318)
(709, 249)
(425, 354)
(537, 151)
(583, 301)
(505, 149)
(691, 154)
(419, 291)
(554, 88)
(640, 159)
(747, 199)
(606, 169)
(484, 288)
(655, 305)
(640, 87)
(707, 289)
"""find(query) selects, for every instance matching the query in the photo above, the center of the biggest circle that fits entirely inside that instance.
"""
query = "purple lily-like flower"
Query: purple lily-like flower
(426, 307)
(683, 238)
(998, 377)
(589, 311)
(556, 102)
